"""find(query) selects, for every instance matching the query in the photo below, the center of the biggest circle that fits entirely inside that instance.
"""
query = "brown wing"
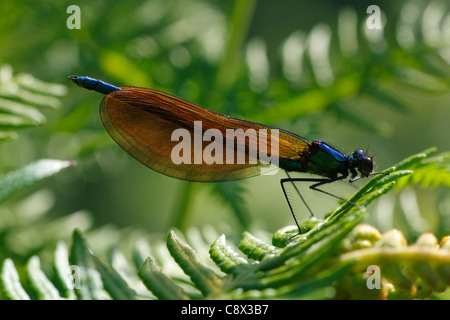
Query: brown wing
(142, 121)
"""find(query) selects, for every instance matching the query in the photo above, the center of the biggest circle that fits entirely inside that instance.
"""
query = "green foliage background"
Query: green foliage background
(310, 68)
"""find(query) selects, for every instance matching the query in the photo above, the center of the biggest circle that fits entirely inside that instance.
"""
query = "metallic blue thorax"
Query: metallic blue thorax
(324, 160)
(321, 159)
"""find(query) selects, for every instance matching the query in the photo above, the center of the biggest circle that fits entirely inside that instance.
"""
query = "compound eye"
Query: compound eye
(359, 154)
(366, 166)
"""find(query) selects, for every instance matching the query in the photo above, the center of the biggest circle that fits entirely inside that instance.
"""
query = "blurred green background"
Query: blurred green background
(312, 68)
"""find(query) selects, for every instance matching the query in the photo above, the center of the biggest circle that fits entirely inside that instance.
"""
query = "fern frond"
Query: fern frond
(10, 282)
(29, 175)
(21, 98)
(337, 252)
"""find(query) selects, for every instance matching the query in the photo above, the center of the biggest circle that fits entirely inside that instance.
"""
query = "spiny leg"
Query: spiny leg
(289, 203)
(326, 181)
(299, 194)
(319, 182)
(292, 180)
(354, 178)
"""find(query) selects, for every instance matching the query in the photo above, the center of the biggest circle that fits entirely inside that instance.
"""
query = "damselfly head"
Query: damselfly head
(364, 163)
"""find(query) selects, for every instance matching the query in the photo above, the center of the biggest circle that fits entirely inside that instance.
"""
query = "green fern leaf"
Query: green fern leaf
(21, 98)
(158, 283)
(62, 271)
(29, 175)
(10, 283)
(89, 285)
(41, 285)
(204, 278)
